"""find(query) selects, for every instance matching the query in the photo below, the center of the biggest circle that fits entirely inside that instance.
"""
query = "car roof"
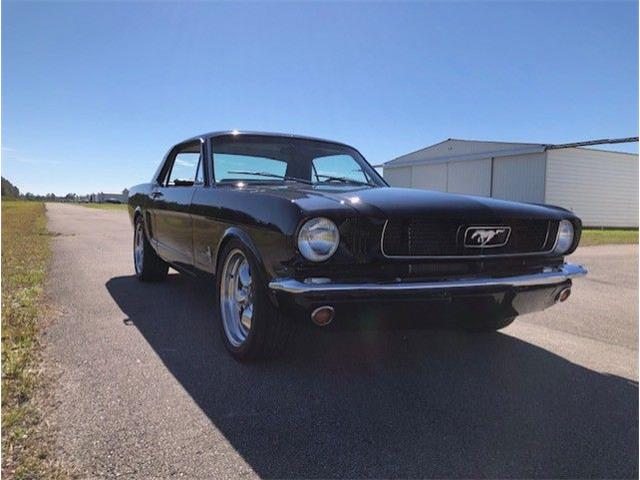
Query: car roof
(262, 134)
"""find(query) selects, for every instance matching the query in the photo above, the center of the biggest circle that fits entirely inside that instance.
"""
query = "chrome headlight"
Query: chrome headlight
(318, 239)
(564, 240)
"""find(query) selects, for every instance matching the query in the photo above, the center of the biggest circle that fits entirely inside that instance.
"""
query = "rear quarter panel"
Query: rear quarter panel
(139, 199)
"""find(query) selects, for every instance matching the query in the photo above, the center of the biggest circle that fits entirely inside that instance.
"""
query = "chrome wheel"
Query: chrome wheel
(236, 297)
(138, 247)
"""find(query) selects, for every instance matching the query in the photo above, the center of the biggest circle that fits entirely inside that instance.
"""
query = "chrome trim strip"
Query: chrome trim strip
(558, 275)
(459, 257)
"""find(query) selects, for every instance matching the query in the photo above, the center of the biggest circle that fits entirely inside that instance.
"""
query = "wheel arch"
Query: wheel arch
(235, 233)
(137, 212)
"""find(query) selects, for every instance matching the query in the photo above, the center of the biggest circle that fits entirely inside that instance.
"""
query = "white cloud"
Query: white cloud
(185, 163)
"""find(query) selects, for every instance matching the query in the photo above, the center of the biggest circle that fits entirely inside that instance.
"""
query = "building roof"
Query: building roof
(476, 149)
(463, 150)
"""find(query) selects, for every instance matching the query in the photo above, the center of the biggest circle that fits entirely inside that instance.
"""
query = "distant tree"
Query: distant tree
(70, 196)
(9, 189)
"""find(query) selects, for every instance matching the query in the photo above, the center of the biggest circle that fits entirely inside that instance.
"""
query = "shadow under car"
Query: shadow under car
(392, 404)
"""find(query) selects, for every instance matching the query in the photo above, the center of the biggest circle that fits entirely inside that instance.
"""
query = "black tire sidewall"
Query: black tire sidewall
(153, 267)
(139, 223)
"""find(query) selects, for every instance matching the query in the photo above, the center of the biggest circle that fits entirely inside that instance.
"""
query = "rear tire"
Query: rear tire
(149, 266)
(486, 324)
(251, 327)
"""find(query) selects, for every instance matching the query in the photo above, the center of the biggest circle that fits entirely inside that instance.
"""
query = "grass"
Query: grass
(106, 206)
(607, 237)
(25, 258)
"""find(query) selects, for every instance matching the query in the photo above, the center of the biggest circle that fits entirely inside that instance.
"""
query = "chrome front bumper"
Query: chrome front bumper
(545, 277)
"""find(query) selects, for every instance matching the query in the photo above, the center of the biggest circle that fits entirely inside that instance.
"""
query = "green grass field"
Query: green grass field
(106, 206)
(608, 237)
(25, 258)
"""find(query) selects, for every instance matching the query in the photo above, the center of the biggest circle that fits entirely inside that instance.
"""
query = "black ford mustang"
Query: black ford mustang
(289, 224)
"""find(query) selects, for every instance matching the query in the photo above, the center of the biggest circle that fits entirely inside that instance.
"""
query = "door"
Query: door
(172, 201)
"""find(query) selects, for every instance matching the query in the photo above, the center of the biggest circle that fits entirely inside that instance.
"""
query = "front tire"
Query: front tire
(251, 326)
(149, 266)
(486, 324)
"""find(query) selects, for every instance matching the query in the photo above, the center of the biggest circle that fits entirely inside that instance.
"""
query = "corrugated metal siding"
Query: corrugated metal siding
(397, 177)
(471, 177)
(600, 187)
(430, 177)
(519, 177)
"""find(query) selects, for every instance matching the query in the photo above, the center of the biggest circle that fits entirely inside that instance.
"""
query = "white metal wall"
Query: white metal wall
(470, 177)
(600, 187)
(519, 177)
(397, 177)
(430, 177)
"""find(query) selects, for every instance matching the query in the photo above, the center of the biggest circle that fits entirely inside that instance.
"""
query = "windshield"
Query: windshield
(257, 158)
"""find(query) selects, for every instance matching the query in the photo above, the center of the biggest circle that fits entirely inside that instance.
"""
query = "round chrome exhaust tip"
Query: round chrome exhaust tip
(563, 295)
(323, 316)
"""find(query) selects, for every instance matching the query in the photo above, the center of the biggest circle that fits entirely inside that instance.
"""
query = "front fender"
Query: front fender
(238, 234)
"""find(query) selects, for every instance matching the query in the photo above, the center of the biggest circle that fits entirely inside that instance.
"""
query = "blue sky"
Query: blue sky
(93, 94)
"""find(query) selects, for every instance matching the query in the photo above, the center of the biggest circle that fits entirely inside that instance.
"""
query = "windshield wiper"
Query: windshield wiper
(272, 175)
(344, 180)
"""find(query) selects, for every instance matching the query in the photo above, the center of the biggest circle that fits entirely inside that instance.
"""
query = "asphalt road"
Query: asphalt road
(145, 388)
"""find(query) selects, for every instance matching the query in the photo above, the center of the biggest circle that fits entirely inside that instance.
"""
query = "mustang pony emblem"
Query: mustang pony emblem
(489, 237)
(485, 236)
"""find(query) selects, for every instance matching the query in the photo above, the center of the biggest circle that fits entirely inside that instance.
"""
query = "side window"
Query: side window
(185, 169)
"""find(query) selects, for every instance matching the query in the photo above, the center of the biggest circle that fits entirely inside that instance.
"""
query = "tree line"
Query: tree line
(9, 190)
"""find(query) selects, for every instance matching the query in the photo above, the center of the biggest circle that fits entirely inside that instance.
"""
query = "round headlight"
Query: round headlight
(564, 239)
(318, 239)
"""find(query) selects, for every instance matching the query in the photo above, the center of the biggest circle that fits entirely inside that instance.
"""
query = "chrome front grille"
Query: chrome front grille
(445, 238)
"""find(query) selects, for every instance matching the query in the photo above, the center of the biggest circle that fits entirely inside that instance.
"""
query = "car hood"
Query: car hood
(388, 202)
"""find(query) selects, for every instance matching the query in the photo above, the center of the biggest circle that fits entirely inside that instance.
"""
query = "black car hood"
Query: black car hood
(388, 202)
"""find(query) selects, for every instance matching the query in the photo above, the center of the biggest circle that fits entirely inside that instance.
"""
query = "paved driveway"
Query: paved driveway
(146, 389)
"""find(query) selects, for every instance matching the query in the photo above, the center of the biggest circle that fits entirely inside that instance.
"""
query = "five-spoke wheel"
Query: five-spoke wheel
(236, 297)
(138, 247)
(252, 327)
